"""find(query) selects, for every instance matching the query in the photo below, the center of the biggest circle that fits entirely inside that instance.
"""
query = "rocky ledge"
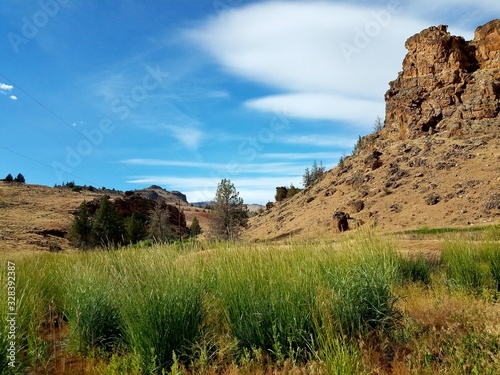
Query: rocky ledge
(447, 84)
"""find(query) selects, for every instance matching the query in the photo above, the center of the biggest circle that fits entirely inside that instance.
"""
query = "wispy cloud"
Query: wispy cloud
(13, 97)
(189, 137)
(318, 140)
(302, 156)
(225, 169)
(321, 106)
(317, 80)
(327, 60)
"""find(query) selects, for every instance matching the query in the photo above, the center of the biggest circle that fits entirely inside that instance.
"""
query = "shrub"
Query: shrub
(281, 193)
(292, 190)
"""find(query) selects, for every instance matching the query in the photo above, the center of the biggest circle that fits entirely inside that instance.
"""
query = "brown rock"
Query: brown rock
(445, 83)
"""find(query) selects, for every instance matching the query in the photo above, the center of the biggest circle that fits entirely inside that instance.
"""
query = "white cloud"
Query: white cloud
(321, 106)
(302, 156)
(319, 140)
(299, 48)
(4, 87)
(328, 60)
(226, 170)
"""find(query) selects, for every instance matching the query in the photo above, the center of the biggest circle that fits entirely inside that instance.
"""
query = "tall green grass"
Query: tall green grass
(188, 306)
(161, 306)
(269, 298)
(90, 305)
(361, 279)
(472, 266)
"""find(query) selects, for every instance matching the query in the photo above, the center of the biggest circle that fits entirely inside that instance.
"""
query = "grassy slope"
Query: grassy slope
(463, 172)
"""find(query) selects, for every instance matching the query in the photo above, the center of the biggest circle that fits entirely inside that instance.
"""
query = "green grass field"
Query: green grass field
(317, 307)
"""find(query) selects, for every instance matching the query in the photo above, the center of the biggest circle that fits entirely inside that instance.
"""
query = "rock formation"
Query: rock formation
(435, 161)
(447, 84)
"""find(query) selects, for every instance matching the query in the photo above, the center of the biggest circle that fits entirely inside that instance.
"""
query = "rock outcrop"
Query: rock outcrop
(447, 84)
(435, 161)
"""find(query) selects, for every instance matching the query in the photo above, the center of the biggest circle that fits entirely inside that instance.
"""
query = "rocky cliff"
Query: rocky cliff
(435, 163)
(447, 84)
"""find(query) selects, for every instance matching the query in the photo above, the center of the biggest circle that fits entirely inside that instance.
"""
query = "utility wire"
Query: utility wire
(44, 164)
(61, 119)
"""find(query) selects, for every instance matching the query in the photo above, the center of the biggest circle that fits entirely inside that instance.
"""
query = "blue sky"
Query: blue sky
(126, 94)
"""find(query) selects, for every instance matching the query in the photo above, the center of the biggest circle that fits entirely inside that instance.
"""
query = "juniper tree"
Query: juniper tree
(81, 230)
(195, 228)
(108, 226)
(229, 213)
(135, 229)
(20, 178)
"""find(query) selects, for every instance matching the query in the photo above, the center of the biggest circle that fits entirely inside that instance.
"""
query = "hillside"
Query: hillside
(436, 161)
(34, 217)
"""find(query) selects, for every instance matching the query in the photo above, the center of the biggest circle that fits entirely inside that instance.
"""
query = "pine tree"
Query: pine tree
(312, 176)
(81, 229)
(195, 228)
(9, 178)
(229, 213)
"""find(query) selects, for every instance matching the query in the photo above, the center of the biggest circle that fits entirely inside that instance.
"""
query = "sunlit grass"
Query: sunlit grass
(321, 307)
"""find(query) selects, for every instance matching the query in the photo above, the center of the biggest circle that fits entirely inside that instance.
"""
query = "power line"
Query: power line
(61, 119)
(44, 164)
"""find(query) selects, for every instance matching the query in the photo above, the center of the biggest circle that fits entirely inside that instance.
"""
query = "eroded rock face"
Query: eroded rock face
(447, 84)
